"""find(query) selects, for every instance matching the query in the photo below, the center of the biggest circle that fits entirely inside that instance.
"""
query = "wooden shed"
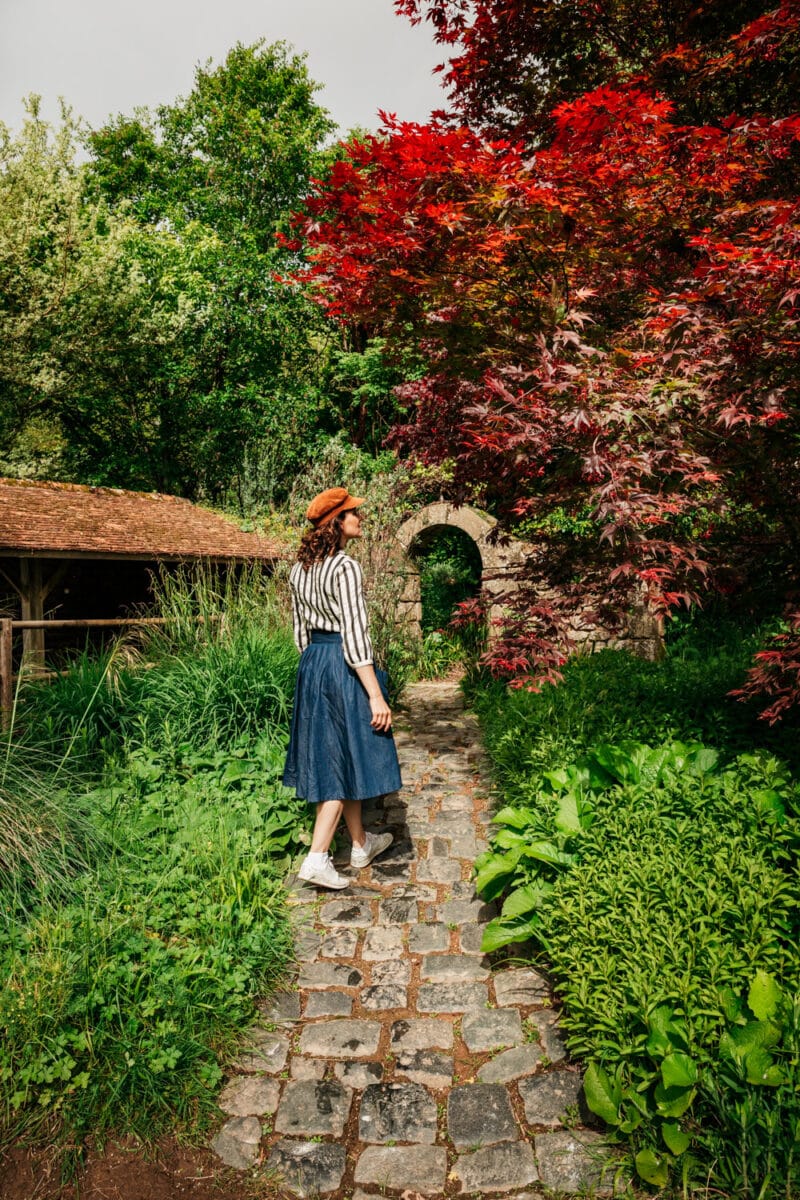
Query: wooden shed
(87, 554)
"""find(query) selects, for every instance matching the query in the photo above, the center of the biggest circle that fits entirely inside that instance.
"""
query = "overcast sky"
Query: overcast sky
(107, 56)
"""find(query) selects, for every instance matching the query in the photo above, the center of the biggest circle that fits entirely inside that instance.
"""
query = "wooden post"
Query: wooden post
(32, 594)
(6, 674)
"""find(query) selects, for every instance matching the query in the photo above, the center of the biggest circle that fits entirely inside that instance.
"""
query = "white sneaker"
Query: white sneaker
(376, 843)
(326, 876)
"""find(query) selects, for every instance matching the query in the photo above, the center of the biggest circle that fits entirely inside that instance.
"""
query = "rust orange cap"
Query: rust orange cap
(328, 504)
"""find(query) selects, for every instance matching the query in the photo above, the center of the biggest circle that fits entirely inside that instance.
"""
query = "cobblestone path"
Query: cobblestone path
(403, 1062)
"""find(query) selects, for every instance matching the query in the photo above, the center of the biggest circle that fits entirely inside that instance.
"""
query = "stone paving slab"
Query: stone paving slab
(249, 1096)
(520, 987)
(283, 1008)
(382, 944)
(574, 1163)
(397, 1112)
(422, 1033)
(329, 1004)
(339, 943)
(511, 1064)
(479, 1114)
(314, 1106)
(351, 913)
(453, 968)
(237, 1143)
(358, 1074)
(465, 912)
(500, 1168)
(405, 1168)
(307, 1068)
(308, 1169)
(396, 972)
(341, 1039)
(428, 1067)
(329, 975)
(427, 939)
(550, 1039)
(268, 1055)
(490, 1030)
(547, 1098)
(383, 997)
(451, 997)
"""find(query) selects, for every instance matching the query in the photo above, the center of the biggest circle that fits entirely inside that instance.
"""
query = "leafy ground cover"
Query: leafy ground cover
(647, 853)
(144, 838)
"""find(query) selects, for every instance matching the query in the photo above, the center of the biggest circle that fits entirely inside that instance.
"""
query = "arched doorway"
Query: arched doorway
(450, 571)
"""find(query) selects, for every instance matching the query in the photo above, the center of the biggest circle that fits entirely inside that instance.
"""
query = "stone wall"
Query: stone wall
(500, 570)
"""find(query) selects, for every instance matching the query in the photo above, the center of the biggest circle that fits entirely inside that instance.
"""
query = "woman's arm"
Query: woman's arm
(356, 641)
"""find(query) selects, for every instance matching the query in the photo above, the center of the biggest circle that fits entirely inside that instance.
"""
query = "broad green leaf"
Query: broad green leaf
(567, 817)
(764, 996)
(502, 932)
(769, 803)
(737, 1043)
(675, 1139)
(507, 839)
(617, 761)
(731, 1004)
(526, 899)
(517, 818)
(674, 1101)
(678, 1071)
(558, 779)
(761, 1068)
(702, 759)
(666, 1034)
(652, 1167)
(547, 852)
(602, 1096)
(236, 769)
(494, 874)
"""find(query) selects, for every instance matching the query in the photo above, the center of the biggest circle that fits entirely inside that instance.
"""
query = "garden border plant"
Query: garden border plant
(659, 885)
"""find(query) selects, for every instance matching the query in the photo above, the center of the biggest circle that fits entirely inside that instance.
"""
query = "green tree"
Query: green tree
(44, 225)
(144, 310)
(235, 401)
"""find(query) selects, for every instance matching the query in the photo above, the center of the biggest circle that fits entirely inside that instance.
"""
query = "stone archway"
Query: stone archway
(496, 561)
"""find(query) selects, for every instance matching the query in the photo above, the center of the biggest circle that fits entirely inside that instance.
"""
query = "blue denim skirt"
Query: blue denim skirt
(334, 753)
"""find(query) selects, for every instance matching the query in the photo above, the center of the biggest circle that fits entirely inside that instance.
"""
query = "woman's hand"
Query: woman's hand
(381, 714)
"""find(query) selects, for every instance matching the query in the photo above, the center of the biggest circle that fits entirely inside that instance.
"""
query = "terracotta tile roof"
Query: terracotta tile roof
(73, 518)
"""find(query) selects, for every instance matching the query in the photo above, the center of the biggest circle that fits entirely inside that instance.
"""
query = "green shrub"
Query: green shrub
(659, 884)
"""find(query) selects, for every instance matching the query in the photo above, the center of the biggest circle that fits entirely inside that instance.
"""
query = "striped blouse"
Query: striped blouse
(330, 596)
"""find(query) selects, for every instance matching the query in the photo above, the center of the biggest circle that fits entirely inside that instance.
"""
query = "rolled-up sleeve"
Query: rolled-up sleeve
(356, 642)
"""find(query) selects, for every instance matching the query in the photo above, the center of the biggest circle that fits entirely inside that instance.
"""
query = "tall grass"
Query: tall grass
(144, 836)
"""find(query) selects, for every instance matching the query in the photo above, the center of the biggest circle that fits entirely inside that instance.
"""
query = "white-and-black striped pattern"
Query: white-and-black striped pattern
(330, 596)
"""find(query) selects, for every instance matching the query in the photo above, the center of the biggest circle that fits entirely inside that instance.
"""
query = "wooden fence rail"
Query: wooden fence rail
(8, 627)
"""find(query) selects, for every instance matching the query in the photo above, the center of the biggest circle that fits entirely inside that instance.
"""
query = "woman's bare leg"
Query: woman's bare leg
(352, 818)
(328, 814)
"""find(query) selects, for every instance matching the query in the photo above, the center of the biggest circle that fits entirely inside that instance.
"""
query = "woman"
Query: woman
(341, 749)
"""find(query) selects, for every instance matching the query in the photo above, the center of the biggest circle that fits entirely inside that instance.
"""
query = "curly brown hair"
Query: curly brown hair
(319, 544)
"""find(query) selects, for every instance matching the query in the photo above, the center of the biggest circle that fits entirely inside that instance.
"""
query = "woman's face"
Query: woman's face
(351, 525)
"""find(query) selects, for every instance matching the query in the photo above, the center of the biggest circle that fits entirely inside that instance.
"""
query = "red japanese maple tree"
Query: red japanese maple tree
(607, 320)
